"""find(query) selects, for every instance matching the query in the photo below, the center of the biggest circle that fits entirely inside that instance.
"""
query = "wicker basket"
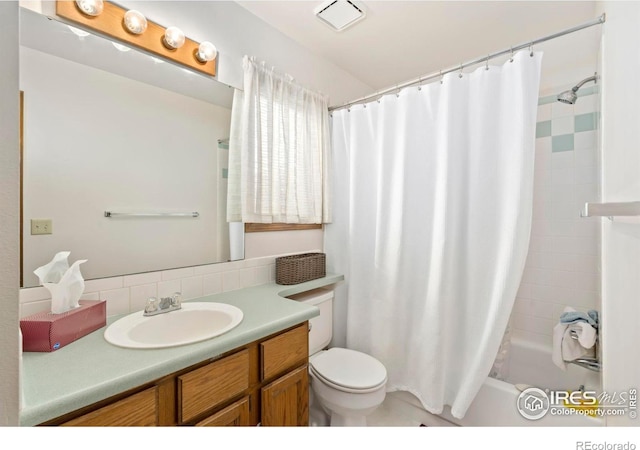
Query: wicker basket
(300, 268)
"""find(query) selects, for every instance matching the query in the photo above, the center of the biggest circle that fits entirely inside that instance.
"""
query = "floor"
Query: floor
(399, 409)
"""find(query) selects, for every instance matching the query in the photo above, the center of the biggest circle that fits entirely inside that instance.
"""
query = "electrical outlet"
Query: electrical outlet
(41, 226)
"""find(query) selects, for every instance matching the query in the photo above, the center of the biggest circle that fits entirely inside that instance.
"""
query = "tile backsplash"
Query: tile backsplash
(563, 267)
(129, 293)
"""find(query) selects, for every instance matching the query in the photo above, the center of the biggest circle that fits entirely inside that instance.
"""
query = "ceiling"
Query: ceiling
(402, 40)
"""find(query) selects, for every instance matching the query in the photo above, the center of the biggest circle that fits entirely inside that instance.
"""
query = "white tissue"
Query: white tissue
(52, 272)
(65, 283)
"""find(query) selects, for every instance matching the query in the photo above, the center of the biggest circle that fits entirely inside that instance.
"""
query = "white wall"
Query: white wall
(9, 218)
(620, 182)
(273, 243)
(125, 147)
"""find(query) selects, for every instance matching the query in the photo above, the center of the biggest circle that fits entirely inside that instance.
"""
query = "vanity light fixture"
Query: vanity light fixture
(206, 52)
(131, 29)
(173, 38)
(135, 22)
(90, 7)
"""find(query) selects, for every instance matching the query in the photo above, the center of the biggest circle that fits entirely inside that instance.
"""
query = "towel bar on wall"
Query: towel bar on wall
(611, 210)
(117, 214)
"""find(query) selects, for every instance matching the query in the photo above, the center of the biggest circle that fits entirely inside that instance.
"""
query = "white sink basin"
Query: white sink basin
(195, 322)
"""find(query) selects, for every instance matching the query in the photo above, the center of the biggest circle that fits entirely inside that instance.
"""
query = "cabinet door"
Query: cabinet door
(236, 414)
(285, 402)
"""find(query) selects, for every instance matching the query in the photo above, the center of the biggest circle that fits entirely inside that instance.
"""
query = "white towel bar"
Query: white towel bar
(117, 214)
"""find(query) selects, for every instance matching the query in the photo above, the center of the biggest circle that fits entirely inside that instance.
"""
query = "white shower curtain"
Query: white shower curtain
(432, 217)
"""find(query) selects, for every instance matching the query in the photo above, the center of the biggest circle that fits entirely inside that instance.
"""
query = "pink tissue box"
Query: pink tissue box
(46, 332)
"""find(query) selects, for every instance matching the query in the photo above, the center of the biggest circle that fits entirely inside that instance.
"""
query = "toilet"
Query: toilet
(346, 385)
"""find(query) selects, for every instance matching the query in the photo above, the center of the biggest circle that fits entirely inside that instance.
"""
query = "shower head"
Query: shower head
(569, 97)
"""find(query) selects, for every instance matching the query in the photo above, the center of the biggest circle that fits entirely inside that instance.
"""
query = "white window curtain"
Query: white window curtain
(279, 151)
(431, 228)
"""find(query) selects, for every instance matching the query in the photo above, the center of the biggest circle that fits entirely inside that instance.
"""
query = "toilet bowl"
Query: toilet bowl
(346, 385)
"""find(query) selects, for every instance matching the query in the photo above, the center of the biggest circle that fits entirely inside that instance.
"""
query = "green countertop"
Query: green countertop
(90, 369)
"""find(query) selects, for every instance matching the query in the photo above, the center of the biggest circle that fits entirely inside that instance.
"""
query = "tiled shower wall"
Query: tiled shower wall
(562, 267)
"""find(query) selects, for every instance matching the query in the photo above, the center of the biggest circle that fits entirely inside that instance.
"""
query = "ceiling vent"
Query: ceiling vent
(340, 14)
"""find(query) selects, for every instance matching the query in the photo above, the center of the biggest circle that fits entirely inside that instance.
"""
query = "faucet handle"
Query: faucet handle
(176, 300)
(152, 305)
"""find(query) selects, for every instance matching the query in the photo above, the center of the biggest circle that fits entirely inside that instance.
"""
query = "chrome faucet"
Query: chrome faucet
(166, 304)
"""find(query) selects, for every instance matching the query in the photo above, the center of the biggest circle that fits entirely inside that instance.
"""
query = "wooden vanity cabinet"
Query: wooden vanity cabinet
(265, 382)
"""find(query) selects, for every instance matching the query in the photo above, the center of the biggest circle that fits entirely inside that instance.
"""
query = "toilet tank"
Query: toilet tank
(321, 327)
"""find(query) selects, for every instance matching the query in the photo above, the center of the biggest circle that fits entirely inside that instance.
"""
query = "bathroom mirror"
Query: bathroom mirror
(106, 130)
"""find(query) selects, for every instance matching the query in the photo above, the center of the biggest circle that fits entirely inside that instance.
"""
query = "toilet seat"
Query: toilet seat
(349, 370)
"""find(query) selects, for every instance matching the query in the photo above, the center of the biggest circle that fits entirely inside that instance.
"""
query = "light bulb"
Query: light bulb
(135, 22)
(122, 48)
(206, 52)
(173, 38)
(78, 32)
(90, 7)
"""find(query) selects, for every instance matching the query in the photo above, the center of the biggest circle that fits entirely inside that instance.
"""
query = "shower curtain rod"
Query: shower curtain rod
(420, 80)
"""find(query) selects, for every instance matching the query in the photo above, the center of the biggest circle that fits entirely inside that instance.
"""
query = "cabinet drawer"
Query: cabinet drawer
(284, 351)
(208, 386)
(139, 410)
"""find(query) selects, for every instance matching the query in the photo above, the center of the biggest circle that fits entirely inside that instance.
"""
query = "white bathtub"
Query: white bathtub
(495, 404)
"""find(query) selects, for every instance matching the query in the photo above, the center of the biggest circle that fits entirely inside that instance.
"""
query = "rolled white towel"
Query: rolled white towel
(565, 348)
(586, 334)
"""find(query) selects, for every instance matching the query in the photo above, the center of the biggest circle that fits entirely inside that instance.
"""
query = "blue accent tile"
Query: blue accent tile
(585, 122)
(548, 99)
(543, 129)
(588, 91)
(223, 145)
(225, 173)
(562, 143)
